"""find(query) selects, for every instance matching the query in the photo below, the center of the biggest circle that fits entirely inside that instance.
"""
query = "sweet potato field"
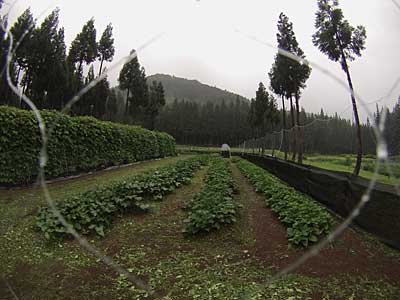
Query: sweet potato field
(189, 227)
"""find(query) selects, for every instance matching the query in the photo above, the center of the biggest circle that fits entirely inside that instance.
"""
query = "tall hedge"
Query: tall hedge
(77, 144)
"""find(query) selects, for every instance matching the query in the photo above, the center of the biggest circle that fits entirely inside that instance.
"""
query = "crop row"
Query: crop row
(93, 210)
(305, 220)
(214, 205)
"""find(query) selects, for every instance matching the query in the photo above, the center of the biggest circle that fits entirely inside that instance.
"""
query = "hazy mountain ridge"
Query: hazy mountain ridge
(192, 90)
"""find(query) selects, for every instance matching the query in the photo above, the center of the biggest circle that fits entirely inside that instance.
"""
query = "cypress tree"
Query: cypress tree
(106, 47)
(22, 32)
(294, 75)
(132, 78)
(45, 74)
(341, 42)
(84, 47)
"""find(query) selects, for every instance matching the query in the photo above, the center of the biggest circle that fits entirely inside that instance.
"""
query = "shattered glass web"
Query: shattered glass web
(381, 150)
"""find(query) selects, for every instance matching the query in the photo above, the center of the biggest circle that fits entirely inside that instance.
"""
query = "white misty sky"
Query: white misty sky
(203, 40)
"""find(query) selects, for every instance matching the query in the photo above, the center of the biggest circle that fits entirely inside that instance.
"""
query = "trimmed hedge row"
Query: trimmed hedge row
(214, 205)
(77, 144)
(93, 210)
(305, 220)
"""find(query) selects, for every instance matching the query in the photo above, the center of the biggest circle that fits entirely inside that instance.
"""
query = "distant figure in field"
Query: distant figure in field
(226, 151)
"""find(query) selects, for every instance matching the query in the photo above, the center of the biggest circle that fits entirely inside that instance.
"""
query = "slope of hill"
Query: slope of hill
(192, 90)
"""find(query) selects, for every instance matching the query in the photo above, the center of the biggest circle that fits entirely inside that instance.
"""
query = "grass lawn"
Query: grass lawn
(334, 166)
(233, 263)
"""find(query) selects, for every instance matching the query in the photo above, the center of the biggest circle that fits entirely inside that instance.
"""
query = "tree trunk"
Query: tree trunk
(21, 102)
(80, 67)
(273, 145)
(17, 76)
(126, 103)
(293, 129)
(300, 140)
(284, 127)
(357, 167)
(263, 146)
(101, 66)
(152, 122)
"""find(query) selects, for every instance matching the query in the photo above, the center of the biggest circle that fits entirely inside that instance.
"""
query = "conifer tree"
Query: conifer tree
(106, 47)
(112, 105)
(341, 42)
(5, 91)
(45, 78)
(156, 102)
(278, 78)
(293, 76)
(84, 47)
(132, 78)
(22, 32)
(102, 94)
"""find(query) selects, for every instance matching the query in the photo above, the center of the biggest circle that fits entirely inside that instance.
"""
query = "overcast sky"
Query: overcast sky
(206, 40)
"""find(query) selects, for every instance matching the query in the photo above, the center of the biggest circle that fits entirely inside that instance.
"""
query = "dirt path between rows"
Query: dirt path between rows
(348, 255)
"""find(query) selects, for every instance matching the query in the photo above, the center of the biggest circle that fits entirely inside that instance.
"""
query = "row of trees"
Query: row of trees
(42, 69)
(335, 135)
(214, 124)
(288, 76)
(206, 125)
(334, 37)
(391, 127)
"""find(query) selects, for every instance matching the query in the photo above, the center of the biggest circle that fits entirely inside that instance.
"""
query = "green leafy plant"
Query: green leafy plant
(214, 205)
(77, 144)
(305, 220)
(93, 210)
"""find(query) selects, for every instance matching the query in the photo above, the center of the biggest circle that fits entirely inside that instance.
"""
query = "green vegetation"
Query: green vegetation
(340, 163)
(193, 91)
(235, 262)
(288, 77)
(214, 206)
(77, 144)
(305, 220)
(345, 163)
(50, 75)
(94, 209)
(219, 265)
(341, 42)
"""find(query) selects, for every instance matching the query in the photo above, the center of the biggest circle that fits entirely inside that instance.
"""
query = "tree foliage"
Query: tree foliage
(132, 78)
(335, 37)
(288, 76)
(193, 90)
(155, 103)
(45, 76)
(84, 46)
(391, 127)
(211, 124)
(263, 112)
(341, 42)
(22, 32)
(41, 69)
(106, 48)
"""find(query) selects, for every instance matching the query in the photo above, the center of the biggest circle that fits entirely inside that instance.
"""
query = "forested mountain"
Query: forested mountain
(192, 90)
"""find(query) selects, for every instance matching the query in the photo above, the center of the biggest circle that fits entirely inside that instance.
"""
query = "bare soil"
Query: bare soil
(348, 255)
